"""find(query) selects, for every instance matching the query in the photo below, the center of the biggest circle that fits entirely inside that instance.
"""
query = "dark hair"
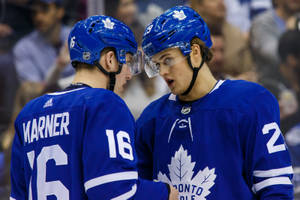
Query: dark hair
(205, 51)
(289, 44)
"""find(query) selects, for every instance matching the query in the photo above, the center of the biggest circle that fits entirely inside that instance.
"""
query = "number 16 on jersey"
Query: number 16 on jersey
(125, 149)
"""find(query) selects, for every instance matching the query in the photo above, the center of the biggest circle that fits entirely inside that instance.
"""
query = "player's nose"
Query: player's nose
(163, 70)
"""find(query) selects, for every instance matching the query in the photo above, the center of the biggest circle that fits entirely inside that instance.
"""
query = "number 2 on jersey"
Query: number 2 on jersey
(122, 145)
(272, 148)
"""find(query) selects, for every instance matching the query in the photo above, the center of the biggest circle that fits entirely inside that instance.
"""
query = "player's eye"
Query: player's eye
(168, 61)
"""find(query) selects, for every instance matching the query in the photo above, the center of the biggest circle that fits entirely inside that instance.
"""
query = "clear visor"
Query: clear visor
(152, 67)
(134, 62)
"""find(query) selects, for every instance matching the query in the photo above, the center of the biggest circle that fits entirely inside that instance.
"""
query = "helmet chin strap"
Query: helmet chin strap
(111, 75)
(195, 73)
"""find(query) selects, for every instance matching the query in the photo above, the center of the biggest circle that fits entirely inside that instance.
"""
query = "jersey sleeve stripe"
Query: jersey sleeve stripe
(273, 172)
(126, 195)
(121, 176)
(271, 181)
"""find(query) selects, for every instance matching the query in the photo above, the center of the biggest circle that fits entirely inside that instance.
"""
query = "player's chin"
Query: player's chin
(175, 91)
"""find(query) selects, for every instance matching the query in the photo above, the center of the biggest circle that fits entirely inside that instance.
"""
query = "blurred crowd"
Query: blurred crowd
(254, 40)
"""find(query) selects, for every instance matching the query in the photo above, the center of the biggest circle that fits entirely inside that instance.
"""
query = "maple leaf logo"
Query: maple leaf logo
(181, 177)
(108, 24)
(179, 15)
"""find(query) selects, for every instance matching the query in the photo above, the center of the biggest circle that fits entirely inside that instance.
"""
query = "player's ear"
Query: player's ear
(195, 55)
(109, 61)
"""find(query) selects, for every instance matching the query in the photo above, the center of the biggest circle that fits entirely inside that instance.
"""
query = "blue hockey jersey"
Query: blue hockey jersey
(225, 145)
(77, 144)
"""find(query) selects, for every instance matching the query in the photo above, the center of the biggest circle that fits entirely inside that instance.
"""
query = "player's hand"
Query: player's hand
(63, 58)
(173, 193)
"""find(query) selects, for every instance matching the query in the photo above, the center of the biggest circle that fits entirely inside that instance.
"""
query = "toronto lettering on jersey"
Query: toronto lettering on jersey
(189, 191)
(46, 127)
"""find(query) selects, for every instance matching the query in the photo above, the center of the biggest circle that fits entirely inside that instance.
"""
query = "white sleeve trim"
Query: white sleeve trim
(273, 172)
(271, 181)
(126, 195)
(10, 198)
(121, 176)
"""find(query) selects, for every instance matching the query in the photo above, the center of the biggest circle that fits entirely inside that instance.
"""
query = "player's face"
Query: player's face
(46, 16)
(124, 76)
(174, 68)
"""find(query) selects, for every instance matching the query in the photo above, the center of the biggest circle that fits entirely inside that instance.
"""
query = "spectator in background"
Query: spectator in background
(10, 31)
(15, 20)
(8, 82)
(264, 36)
(241, 12)
(243, 71)
(289, 52)
(15, 23)
(74, 10)
(126, 11)
(41, 55)
(216, 65)
(236, 50)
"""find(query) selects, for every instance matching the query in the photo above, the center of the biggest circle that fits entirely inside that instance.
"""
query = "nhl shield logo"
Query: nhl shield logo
(86, 55)
(186, 110)
(191, 186)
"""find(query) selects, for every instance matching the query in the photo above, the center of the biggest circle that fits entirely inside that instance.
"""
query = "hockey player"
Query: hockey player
(210, 139)
(78, 143)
